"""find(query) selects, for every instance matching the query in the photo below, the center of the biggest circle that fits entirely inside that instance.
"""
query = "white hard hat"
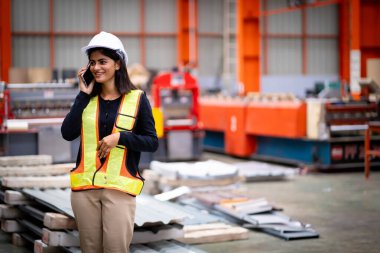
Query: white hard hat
(107, 40)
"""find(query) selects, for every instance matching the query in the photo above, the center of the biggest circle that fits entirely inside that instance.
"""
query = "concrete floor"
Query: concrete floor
(343, 207)
(7, 247)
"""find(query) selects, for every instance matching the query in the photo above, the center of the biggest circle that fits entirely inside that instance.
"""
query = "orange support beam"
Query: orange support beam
(187, 16)
(355, 53)
(369, 38)
(248, 38)
(344, 40)
(355, 24)
(5, 40)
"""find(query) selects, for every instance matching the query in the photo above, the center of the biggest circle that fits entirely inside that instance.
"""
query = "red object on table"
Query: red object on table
(373, 126)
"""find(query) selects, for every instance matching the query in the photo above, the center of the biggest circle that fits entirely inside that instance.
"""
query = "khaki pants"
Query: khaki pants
(105, 220)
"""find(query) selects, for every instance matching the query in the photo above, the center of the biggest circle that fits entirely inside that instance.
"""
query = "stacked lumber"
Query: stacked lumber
(36, 211)
(8, 217)
(213, 232)
(33, 171)
(18, 214)
(27, 160)
(47, 221)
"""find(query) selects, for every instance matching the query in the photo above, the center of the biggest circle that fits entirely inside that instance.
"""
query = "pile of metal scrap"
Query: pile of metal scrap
(203, 227)
(256, 214)
(45, 220)
(254, 171)
(155, 220)
(39, 214)
(198, 174)
(170, 246)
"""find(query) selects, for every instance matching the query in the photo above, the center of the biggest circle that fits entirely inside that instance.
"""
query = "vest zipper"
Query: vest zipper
(93, 178)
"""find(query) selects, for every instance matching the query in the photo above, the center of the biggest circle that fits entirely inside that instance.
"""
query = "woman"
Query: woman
(114, 121)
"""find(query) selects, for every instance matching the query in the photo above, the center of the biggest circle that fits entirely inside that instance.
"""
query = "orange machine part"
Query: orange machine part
(236, 139)
(212, 115)
(281, 119)
(229, 117)
(164, 81)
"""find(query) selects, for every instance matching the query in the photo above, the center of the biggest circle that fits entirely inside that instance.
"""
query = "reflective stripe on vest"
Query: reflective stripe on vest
(113, 173)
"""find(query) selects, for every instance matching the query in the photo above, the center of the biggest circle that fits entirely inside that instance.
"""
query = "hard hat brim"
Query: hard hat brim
(86, 48)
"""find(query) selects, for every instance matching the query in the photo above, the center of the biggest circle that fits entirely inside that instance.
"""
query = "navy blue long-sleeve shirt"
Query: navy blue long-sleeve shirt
(142, 138)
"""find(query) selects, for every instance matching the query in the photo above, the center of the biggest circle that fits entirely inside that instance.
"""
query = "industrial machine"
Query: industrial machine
(31, 116)
(321, 133)
(176, 94)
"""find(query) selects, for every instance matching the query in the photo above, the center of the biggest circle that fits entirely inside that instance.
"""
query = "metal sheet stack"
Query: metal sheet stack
(256, 214)
(20, 215)
(213, 189)
(198, 174)
(254, 171)
(36, 209)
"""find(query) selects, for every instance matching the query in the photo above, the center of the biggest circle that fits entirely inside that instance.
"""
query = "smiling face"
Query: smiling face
(103, 68)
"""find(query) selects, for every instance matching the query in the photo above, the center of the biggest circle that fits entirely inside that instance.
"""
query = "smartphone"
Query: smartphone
(87, 76)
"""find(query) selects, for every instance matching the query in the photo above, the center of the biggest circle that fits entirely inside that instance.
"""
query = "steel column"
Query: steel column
(248, 41)
(5, 40)
(344, 41)
(187, 42)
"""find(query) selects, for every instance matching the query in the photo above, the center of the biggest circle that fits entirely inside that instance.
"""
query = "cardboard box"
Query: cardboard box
(18, 75)
(39, 75)
(30, 75)
(373, 69)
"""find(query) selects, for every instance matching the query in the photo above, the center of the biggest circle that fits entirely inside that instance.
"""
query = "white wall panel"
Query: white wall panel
(210, 16)
(74, 15)
(161, 16)
(30, 51)
(161, 53)
(30, 15)
(323, 20)
(323, 56)
(120, 15)
(289, 22)
(284, 56)
(68, 52)
(210, 56)
(276, 4)
(132, 46)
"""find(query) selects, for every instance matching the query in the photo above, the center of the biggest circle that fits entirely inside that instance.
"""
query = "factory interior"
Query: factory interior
(267, 114)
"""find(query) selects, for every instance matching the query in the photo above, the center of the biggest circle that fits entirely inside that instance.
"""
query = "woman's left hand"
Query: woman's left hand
(107, 143)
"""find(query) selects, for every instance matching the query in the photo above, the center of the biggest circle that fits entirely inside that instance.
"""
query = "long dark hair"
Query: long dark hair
(122, 80)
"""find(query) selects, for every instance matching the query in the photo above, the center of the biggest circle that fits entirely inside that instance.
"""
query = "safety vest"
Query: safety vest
(113, 173)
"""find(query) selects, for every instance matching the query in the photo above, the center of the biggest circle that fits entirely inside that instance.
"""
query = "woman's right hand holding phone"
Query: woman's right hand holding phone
(82, 86)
